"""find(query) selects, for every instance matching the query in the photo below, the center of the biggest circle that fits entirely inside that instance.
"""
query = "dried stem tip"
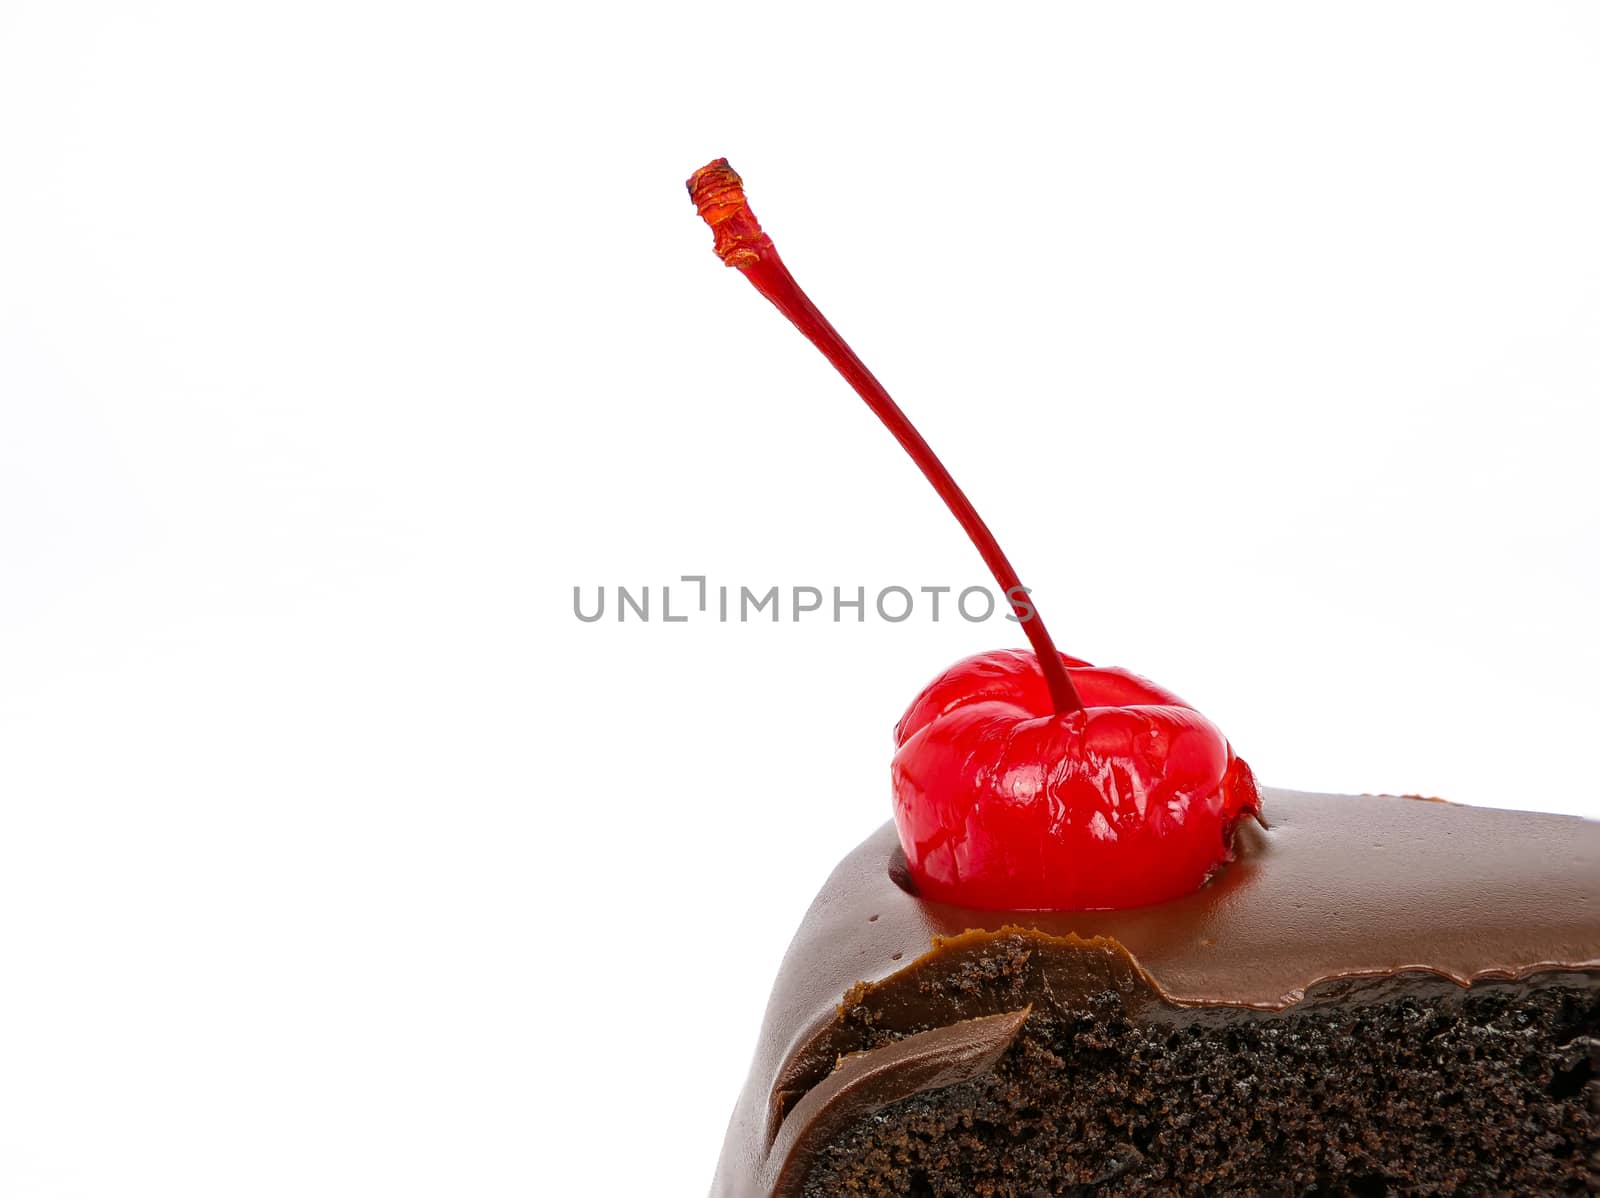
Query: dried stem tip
(718, 195)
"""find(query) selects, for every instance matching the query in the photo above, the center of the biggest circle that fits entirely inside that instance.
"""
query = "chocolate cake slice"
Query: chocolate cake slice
(1378, 996)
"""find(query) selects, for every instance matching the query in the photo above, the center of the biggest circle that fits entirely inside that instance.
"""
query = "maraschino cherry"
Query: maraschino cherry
(1022, 781)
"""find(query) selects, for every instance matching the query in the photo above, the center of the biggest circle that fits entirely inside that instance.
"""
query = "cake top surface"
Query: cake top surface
(1333, 887)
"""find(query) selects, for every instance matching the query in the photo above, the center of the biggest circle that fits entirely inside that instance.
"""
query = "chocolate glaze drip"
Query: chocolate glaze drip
(1337, 889)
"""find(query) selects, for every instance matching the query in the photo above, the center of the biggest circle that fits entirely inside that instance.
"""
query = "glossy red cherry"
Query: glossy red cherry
(1003, 803)
(1022, 780)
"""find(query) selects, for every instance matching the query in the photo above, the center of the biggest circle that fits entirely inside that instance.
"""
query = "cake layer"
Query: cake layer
(1336, 900)
(1404, 1085)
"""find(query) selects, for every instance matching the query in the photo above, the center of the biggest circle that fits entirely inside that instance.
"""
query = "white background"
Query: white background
(340, 341)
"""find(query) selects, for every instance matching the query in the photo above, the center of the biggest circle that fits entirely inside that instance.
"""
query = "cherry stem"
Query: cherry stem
(718, 195)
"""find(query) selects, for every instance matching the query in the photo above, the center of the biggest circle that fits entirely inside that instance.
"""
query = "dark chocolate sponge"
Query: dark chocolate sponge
(1379, 996)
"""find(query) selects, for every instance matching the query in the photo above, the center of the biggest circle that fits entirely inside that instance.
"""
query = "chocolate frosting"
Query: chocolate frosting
(1331, 888)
